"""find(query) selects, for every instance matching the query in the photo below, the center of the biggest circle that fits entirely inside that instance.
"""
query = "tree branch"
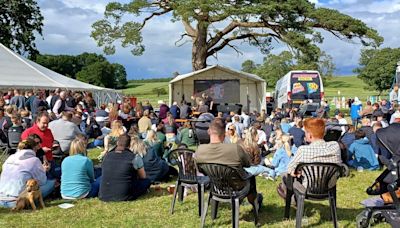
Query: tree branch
(166, 10)
(189, 29)
(180, 39)
(237, 24)
(240, 37)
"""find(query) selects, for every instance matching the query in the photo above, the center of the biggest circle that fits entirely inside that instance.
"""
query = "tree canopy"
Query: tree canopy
(20, 20)
(276, 66)
(378, 67)
(87, 67)
(212, 25)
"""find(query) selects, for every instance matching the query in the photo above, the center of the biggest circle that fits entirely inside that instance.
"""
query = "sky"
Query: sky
(67, 28)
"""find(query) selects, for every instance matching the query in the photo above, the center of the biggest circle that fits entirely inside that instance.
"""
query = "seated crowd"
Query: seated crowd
(49, 137)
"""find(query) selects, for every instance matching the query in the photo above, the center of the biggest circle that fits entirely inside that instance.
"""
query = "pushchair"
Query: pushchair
(387, 183)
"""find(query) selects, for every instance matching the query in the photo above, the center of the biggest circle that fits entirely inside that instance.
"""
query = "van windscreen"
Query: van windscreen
(305, 86)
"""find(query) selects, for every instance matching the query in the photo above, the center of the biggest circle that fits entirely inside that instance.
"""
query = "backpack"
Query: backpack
(93, 130)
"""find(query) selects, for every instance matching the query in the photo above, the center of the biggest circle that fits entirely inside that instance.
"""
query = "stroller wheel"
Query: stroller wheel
(377, 217)
(362, 219)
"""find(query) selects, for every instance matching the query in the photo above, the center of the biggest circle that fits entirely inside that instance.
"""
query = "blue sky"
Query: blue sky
(67, 27)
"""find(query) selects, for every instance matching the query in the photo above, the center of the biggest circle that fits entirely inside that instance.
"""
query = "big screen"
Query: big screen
(221, 91)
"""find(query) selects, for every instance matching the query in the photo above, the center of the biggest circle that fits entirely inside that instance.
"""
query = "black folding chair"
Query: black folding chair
(317, 182)
(228, 185)
(187, 176)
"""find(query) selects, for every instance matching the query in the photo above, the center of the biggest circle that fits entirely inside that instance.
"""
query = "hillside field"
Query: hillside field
(349, 87)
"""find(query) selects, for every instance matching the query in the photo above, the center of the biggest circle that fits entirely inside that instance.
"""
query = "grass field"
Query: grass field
(349, 87)
(152, 210)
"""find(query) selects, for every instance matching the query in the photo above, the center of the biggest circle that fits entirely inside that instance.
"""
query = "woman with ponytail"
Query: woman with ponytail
(20, 167)
(281, 158)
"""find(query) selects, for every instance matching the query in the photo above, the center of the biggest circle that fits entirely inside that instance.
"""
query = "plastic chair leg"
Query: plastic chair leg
(214, 209)
(181, 191)
(200, 194)
(174, 197)
(332, 203)
(235, 213)
(300, 209)
(288, 201)
(204, 213)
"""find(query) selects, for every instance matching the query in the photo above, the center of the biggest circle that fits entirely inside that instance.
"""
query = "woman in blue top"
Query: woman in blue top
(281, 158)
(355, 110)
(361, 154)
(77, 179)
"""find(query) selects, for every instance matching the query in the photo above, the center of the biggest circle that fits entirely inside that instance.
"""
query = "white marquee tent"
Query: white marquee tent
(251, 89)
(21, 73)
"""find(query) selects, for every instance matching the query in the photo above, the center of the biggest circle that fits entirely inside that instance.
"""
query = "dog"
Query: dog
(27, 197)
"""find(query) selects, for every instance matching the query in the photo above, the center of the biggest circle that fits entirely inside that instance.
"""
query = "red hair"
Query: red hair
(315, 126)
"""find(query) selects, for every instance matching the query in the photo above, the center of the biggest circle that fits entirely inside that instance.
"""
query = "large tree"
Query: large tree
(378, 67)
(20, 20)
(212, 25)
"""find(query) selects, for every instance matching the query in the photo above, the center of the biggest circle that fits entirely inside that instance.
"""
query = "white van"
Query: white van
(296, 86)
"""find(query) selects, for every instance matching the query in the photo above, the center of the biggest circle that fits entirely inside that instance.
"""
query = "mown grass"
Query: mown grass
(144, 91)
(349, 87)
(152, 210)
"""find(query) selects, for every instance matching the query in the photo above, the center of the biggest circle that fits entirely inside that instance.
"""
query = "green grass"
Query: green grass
(349, 87)
(152, 210)
(143, 91)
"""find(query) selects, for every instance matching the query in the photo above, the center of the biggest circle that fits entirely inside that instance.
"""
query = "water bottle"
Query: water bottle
(190, 133)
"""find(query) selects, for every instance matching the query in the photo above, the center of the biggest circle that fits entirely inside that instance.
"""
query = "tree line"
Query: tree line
(87, 67)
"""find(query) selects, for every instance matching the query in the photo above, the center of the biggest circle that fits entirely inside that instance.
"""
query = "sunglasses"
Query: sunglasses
(231, 129)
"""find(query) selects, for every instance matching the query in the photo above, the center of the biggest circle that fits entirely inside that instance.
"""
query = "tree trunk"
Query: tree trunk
(199, 49)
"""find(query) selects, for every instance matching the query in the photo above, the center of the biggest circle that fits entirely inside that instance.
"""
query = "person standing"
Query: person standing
(394, 95)
(18, 100)
(355, 110)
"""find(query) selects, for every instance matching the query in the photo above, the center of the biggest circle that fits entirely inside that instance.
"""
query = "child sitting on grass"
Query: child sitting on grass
(361, 154)
(281, 158)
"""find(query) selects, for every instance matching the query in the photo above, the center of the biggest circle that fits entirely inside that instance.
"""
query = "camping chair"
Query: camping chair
(320, 184)
(187, 176)
(228, 185)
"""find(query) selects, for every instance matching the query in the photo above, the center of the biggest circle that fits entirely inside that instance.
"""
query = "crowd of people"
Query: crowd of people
(49, 134)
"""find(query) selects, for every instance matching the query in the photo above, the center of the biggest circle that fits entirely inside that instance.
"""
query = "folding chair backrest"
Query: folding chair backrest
(319, 178)
(184, 159)
(226, 181)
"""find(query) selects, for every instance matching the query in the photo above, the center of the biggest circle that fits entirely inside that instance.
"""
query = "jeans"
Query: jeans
(96, 143)
(355, 122)
(55, 171)
(140, 187)
(94, 191)
(256, 169)
(46, 190)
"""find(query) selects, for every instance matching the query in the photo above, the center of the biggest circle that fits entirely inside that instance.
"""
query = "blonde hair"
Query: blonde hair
(151, 137)
(138, 146)
(116, 128)
(78, 146)
(285, 140)
(249, 138)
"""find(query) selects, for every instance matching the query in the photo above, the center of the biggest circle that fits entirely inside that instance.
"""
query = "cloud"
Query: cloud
(67, 27)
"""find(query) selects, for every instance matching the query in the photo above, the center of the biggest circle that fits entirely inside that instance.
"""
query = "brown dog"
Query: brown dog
(29, 195)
